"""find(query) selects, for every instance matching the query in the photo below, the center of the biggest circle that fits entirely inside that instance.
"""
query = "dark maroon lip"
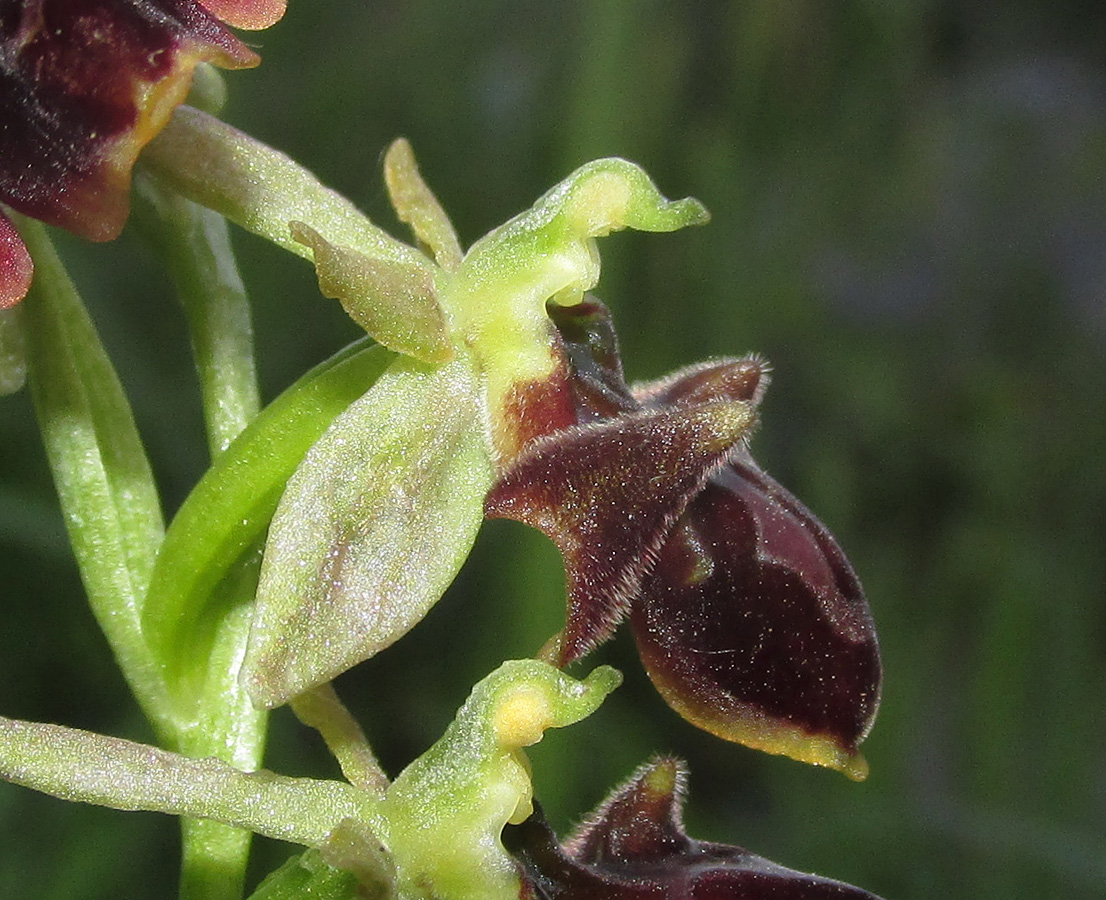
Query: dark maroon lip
(744, 607)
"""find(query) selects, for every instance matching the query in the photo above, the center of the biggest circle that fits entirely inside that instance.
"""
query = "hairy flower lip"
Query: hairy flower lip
(747, 615)
(84, 85)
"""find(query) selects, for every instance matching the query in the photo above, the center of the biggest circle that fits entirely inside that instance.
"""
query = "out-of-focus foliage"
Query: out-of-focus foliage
(909, 221)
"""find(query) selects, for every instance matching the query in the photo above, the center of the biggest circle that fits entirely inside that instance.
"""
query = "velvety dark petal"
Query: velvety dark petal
(533, 409)
(753, 625)
(607, 494)
(16, 267)
(636, 849)
(720, 379)
(84, 84)
(586, 384)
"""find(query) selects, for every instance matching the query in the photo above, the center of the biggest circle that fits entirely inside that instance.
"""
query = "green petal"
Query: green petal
(416, 205)
(393, 301)
(371, 529)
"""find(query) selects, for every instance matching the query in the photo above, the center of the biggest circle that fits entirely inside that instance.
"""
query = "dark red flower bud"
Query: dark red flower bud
(748, 617)
(634, 847)
(85, 84)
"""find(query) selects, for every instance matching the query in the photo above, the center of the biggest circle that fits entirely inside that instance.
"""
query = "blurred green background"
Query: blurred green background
(909, 210)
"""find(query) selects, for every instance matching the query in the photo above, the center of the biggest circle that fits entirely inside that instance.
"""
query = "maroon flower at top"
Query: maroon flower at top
(748, 617)
(634, 847)
(84, 85)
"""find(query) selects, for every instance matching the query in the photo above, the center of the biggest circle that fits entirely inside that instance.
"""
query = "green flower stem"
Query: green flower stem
(215, 856)
(92, 768)
(321, 709)
(103, 478)
(261, 189)
(195, 244)
(224, 519)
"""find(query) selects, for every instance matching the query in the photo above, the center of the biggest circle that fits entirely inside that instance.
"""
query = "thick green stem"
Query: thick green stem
(195, 244)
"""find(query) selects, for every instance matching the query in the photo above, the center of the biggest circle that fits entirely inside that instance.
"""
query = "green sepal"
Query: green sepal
(224, 518)
(387, 286)
(446, 810)
(261, 189)
(371, 529)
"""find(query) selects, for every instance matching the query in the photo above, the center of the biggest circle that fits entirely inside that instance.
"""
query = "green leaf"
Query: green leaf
(372, 528)
(222, 521)
(103, 478)
(446, 810)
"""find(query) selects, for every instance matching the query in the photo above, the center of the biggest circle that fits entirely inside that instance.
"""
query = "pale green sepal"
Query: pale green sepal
(261, 189)
(352, 864)
(223, 520)
(13, 360)
(446, 811)
(395, 302)
(355, 847)
(371, 528)
(84, 767)
(308, 877)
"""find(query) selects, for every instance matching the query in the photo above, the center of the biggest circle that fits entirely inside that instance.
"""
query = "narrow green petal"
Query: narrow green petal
(416, 205)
